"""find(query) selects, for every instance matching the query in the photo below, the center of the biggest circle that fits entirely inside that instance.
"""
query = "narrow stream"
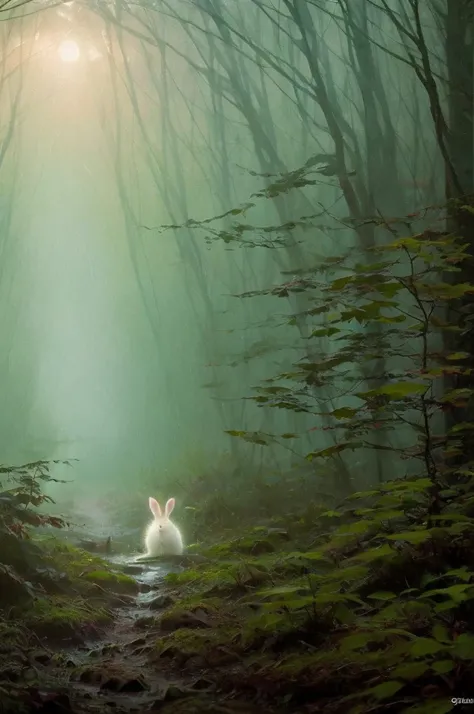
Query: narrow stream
(115, 670)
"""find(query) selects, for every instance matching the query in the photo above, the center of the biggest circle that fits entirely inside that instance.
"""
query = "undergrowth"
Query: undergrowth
(376, 615)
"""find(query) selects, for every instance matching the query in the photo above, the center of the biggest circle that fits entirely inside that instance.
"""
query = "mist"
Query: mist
(237, 348)
(157, 117)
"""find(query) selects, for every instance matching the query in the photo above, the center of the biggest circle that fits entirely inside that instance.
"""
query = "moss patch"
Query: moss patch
(85, 570)
(119, 582)
(58, 616)
(81, 607)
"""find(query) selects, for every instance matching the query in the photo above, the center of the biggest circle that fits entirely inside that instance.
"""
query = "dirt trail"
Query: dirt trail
(114, 673)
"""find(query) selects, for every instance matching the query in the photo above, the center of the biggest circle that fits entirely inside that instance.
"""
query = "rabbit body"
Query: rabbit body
(162, 536)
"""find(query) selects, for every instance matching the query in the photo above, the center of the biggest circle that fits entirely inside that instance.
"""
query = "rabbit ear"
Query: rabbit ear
(154, 507)
(170, 503)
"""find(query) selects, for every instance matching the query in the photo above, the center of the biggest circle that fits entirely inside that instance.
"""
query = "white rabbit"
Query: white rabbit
(162, 536)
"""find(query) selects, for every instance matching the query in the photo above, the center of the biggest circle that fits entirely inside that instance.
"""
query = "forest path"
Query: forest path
(117, 672)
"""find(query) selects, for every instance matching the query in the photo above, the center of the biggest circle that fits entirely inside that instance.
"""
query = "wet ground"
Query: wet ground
(114, 673)
(120, 670)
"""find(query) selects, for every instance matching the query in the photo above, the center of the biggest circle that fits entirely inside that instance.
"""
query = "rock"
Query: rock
(279, 532)
(202, 685)
(138, 642)
(120, 600)
(90, 676)
(132, 569)
(52, 580)
(55, 704)
(22, 555)
(144, 622)
(174, 691)
(41, 657)
(116, 684)
(95, 546)
(170, 693)
(12, 675)
(13, 589)
(92, 654)
(160, 601)
(176, 620)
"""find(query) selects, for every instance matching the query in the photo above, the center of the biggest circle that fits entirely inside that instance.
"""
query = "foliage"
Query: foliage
(381, 351)
(386, 310)
(377, 612)
(17, 503)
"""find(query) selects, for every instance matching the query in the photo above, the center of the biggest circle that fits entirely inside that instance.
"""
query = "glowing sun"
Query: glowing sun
(68, 51)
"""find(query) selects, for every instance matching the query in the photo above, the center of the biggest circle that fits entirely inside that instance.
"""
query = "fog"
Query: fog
(124, 345)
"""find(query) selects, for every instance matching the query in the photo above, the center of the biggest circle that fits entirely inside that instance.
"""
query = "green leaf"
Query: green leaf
(382, 595)
(463, 426)
(387, 515)
(411, 670)
(341, 283)
(411, 536)
(459, 593)
(354, 528)
(331, 514)
(389, 289)
(461, 573)
(383, 551)
(386, 689)
(425, 646)
(446, 606)
(253, 437)
(343, 614)
(358, 641)
(344, 413)
(440, 633)
(443, 666)
(402, 389)
(457, 395)
(431, 706)
(325, 332)
(464, 647)
(283, 590)
(362, 494)
(444, 291)
(409, 591)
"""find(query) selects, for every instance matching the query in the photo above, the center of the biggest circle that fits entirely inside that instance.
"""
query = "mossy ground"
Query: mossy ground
(71, 600)
(64, 616)
(376, 615)
(85, 588)
(83, 568)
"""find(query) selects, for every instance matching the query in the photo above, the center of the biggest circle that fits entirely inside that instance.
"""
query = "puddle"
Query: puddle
(144, 572)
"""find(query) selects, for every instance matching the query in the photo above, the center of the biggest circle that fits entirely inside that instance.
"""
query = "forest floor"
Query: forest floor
(288, 617)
